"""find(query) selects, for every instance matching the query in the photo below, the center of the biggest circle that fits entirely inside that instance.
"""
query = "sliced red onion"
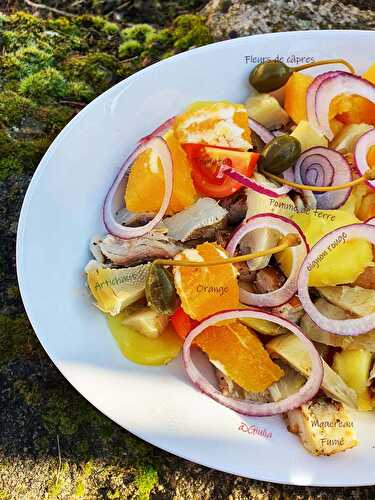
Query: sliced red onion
(114, 200)
(289, 174)
(342, 83)
(322, 166)
(251, 184)
(160, 131)
(311, 97)
(260, 130)
(340, 326)
(284, 226)
(371, 221)
(246, 407)
(363, 146)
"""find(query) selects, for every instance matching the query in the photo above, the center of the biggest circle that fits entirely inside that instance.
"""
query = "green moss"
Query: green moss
(25, 62)
(81, 487)
(97, 70)
(80, 91)
(9, 166)
(129, 48)
(63, 416)
(113, 496)
(25, 20)
(146, 479)
(20, 155)
(98, 23)
(159, 44)
(46, 84)
(190, 30)
(110, 28)
(138, 32)
(14, 107)
(54, 117)
(57, 484)
(29, 392)
(20, 30)
(16, 338)
(13, 292)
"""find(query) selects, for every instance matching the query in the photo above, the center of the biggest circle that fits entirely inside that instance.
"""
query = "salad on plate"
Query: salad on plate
(247, 231)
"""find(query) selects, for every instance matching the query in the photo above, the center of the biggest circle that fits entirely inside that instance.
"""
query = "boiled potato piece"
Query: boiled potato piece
(349, 135)
(147, 321)
(354, 368)
(338, 265)
(266, 110)
(308, 136)
(263, 326)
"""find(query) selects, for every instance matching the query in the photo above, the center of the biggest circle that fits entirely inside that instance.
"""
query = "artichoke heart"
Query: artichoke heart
(356, 300)
(315, 333)
(114, 289)
(290, 349)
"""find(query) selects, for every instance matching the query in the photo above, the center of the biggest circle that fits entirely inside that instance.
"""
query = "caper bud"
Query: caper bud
(160, 290)
(280, 154)
(269, 76)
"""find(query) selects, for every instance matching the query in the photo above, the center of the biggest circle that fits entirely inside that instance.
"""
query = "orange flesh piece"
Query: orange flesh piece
(206, 290)
(212, 122)
(241, 355)
(145, 187)
(295, 96)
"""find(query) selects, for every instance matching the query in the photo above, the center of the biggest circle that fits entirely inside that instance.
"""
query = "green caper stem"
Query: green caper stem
(323, 62)
(368, 175)
(290, 240)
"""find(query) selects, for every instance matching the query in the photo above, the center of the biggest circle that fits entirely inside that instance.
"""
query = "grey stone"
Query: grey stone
(233, 18)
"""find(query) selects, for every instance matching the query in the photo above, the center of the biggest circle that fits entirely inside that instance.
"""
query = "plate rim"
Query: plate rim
(26, 204)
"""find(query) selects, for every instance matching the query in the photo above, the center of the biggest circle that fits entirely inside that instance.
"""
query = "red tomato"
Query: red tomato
(206, 162)
(182, 323)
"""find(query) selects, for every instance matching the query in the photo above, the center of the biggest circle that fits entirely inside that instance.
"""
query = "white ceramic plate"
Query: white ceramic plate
(62, 209)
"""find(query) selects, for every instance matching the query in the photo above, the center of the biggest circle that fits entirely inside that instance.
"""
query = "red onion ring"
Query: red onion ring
(160, 131)
(251, 184)
(339, 327)
(311, 97)
(364, 143)
(115, 196)
(260, 130)
(246, 407)
(371, 221)
(320, 166)
(342, 83)
(284, 226)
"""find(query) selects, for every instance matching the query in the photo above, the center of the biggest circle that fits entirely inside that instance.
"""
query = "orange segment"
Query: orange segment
(367, 208)
(206, 290)
(371, 157)
(370, 74)
(354, 108)
(238, 352)
(295, 101)
(357, 109)
(215, 123)
(295, 96)
(145, 187)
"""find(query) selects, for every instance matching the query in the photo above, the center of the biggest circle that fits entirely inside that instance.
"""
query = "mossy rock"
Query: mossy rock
(51, 68)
